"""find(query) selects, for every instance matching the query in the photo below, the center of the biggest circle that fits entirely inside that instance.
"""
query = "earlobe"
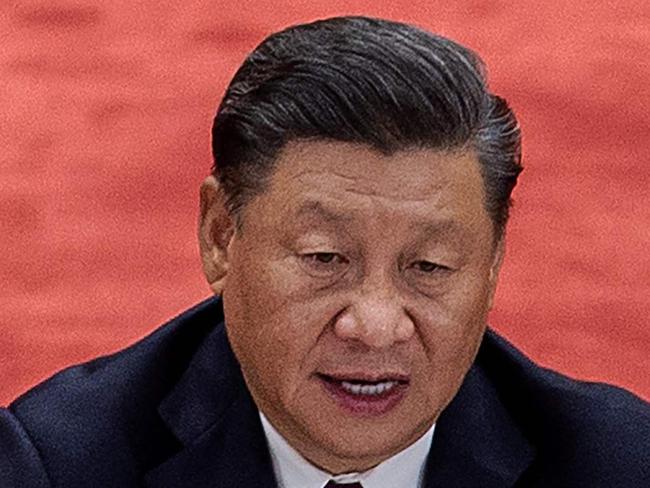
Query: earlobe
(216, 230)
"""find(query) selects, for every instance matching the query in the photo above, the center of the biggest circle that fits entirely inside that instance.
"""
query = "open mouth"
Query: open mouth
(365, 378)
(365, 397)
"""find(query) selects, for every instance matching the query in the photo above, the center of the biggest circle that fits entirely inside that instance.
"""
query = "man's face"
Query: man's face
(358, 266)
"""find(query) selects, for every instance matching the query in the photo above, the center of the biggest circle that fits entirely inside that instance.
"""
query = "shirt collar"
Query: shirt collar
(406, 468)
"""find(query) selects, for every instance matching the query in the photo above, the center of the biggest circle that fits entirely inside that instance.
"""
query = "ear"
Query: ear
(216, 230)
(495, 268)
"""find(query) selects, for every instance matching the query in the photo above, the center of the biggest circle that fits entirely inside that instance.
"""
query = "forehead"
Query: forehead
(410, 175)
(339, 183)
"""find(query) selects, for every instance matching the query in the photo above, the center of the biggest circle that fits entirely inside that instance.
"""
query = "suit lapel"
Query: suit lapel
(476, 441)
(212, 413)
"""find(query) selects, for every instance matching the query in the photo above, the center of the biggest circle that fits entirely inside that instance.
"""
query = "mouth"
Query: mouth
(362, 377)
(363, 394)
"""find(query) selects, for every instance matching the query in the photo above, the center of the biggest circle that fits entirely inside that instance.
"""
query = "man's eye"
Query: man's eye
(323, 258)
(324, 262)
(429, 267)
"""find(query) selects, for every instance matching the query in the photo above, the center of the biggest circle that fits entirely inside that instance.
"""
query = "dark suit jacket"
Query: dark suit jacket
(173, 411)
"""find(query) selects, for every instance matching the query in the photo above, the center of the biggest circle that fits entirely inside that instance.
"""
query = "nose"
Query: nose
(377, 320)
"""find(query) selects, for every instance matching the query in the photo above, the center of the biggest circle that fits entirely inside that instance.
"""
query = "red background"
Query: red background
(106, 111)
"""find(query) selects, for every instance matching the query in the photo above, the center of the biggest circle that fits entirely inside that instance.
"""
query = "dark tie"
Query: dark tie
(333, 484)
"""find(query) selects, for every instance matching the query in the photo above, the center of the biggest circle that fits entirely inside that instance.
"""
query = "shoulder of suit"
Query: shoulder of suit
(162, 354)
(86, 411)
(572, 421)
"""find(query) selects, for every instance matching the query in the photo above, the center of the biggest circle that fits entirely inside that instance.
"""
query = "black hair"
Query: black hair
(385, 84)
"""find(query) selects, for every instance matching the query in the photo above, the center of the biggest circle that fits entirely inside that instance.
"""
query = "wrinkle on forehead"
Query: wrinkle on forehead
(307, 176)
(359, 176)
(364, 186)
(433, 195)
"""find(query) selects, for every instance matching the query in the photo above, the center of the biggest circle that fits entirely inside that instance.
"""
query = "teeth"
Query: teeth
(358, 389)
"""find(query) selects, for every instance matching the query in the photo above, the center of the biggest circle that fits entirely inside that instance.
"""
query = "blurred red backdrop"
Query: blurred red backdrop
(106, 113)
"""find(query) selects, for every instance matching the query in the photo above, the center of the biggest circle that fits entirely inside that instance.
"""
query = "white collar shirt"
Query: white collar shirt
(292, 470)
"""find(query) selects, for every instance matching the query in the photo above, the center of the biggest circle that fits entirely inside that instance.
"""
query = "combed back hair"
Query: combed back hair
(384, 84)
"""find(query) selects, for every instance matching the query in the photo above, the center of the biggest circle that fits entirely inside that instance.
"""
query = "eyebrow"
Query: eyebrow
(312, 207)
(449, 227)
(425, 228)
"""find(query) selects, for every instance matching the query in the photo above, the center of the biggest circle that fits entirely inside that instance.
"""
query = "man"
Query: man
(353, 232)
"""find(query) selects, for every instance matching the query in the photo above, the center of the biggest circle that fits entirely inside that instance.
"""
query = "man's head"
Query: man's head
(354, 227)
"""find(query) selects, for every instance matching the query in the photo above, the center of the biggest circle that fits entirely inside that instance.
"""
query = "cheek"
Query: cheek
(465, 302)
(272, 337)
(451, 328)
